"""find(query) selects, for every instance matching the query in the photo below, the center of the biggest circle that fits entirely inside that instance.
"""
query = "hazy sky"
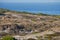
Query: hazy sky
(29, 1)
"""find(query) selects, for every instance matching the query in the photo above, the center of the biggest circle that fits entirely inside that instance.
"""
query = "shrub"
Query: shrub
(8, 38)
(31, 39)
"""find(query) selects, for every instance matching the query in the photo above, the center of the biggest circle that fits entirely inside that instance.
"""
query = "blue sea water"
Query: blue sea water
(48, 8)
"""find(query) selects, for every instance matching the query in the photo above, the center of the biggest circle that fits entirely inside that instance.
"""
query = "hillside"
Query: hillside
(22, 23)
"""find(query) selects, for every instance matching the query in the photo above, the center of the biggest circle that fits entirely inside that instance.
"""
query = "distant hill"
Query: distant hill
(6, 10)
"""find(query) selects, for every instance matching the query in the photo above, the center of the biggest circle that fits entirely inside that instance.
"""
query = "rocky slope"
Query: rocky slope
(13, 23)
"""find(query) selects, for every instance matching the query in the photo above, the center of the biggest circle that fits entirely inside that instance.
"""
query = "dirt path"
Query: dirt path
(38, 34)
(34, 35)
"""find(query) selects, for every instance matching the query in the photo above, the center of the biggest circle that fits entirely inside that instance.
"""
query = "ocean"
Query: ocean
(47, 8)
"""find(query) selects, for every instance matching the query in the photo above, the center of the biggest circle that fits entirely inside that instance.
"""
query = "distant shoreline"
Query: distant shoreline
(34, 12)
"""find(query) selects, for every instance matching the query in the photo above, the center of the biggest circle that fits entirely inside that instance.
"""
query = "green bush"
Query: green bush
(8, 38)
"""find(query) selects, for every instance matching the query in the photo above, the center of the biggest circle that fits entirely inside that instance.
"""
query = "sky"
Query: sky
(28, 1)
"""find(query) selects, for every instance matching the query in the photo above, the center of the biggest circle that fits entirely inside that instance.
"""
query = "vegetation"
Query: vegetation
(8, 38)
(48, 37)
(3, 10)
(39, 38)
(51, 36)
(31, 39)
(23, 12)
(43, 14)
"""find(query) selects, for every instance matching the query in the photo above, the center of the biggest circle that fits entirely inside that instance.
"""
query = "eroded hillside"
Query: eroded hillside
(13, 23)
